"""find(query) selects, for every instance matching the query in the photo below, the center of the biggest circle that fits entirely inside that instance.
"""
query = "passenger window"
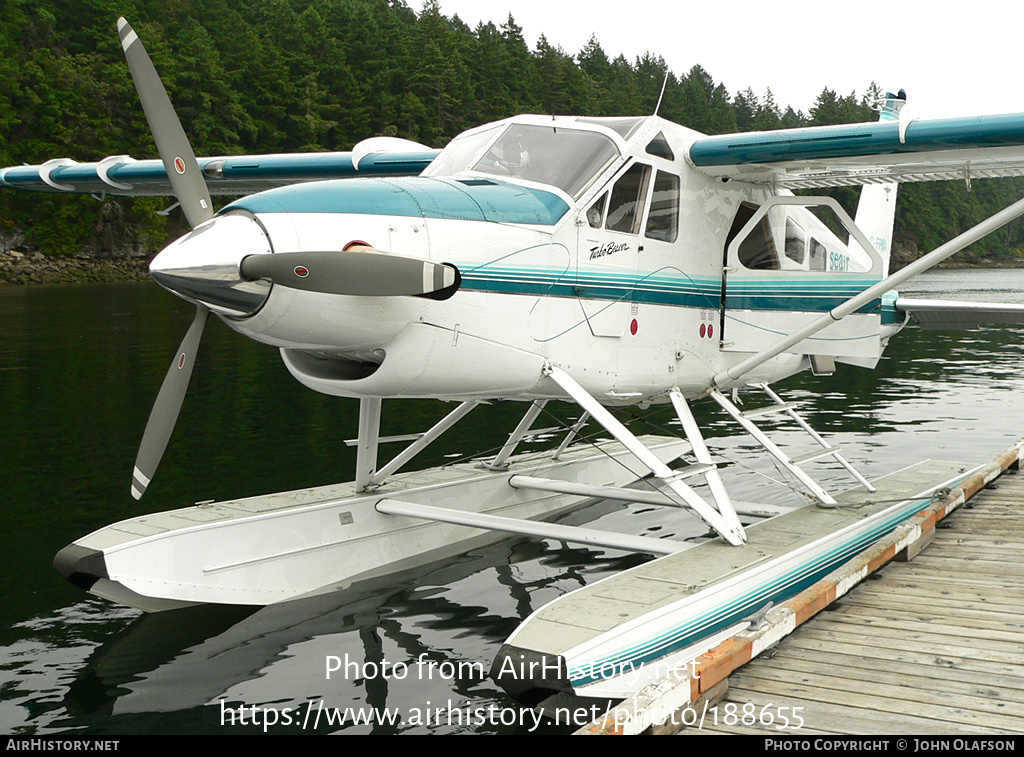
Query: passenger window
(596, 212)
(757, 251)
(663, 218)
(627, 200)
(796, 242)
(819, 256)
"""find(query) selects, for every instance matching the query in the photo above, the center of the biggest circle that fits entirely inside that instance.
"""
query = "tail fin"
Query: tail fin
(876, 211)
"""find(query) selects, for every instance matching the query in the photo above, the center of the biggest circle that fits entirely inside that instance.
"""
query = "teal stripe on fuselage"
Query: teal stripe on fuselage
(418, 197)
(800, 303)
(808, 296)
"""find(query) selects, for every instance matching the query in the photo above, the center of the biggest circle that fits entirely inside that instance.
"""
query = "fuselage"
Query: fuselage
(590, 244)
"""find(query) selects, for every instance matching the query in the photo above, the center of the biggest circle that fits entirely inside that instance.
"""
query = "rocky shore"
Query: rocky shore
(17, 268)
(903, 256)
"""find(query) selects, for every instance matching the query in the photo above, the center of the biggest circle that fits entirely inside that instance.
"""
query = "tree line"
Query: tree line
(263, 76)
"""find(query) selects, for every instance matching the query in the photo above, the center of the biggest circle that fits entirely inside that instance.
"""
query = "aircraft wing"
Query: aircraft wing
(228, 175)
(959, 316)
(870, 153)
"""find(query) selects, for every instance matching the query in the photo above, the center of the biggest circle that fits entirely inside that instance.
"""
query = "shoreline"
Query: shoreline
(23, 269)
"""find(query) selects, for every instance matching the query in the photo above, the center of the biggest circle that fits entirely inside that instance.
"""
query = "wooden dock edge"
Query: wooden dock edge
(669, 705)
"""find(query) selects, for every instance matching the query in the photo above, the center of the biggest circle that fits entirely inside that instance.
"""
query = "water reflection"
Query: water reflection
(79, 367)
(444, 626)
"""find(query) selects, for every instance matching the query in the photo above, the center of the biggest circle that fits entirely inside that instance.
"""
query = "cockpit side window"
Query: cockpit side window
(627, 200)
(595, 214)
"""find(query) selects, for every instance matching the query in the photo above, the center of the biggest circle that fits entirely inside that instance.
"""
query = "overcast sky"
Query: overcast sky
(953, 59)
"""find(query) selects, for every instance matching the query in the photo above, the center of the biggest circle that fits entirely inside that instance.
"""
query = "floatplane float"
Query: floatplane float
(605, 262)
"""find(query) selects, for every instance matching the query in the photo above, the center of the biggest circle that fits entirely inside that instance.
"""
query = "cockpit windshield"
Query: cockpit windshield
(569, 159)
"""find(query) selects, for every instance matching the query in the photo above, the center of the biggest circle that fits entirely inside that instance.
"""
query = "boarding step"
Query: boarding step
(690, 471)
(538, 431)
(816, 455)
(757, 411)
(388, 439)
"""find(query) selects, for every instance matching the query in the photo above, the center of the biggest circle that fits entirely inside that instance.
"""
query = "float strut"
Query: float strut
(731, 531)
(369, 435)
(499, 461)
(420, 444)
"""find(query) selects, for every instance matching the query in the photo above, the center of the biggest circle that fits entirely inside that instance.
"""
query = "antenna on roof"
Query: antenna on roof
(663, 83)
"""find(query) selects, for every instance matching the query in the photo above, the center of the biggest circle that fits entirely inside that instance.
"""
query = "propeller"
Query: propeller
(190, 189)
(357, 270)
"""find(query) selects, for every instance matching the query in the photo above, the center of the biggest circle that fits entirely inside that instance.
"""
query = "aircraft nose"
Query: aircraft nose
(202, 266)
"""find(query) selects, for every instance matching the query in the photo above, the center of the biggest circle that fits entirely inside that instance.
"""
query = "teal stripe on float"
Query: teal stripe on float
(778, 590)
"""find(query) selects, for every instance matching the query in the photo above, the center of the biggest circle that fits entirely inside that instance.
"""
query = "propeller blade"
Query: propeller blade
(165, 410)
(356, 271)
(175, 151)
(194, 197)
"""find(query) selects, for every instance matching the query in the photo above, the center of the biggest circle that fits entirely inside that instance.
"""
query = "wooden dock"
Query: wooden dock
(923, 633)
(933, 646)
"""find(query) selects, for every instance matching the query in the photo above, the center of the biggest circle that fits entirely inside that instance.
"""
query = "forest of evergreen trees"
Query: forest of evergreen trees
(259, 76)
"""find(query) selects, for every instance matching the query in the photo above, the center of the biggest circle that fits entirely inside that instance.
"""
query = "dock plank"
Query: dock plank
(927, 674)
(881, 714)
(899, 618)
(918, 692)
(961, 608)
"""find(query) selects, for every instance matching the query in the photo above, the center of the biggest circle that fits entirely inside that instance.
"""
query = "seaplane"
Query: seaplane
(604, 262)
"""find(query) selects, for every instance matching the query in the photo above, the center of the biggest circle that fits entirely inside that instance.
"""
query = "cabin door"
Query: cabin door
(608, 250)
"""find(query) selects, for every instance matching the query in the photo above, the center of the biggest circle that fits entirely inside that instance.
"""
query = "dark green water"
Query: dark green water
(79, 368)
